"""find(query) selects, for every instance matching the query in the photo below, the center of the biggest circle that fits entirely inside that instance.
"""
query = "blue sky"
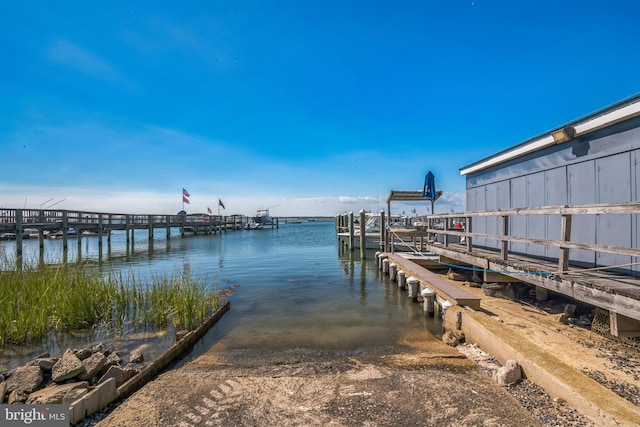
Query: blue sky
(304, 107)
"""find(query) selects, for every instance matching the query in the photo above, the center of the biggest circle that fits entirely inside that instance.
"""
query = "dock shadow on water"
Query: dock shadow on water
(293, 290)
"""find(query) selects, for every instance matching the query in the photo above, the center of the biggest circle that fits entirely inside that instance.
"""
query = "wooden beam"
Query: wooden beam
(565, 236)
(623, 326)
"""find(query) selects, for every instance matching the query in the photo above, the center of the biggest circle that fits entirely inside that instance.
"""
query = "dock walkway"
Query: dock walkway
(443, 288)
(18, 224)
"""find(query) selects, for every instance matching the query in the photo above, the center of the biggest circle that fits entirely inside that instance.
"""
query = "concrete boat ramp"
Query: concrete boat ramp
(508, 330)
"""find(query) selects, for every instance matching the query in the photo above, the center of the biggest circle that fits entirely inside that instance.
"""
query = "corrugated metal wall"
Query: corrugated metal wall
(603, 167)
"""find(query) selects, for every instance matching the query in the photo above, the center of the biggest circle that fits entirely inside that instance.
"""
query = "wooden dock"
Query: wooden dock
(19, 224)
(443, 288)
(614, 288)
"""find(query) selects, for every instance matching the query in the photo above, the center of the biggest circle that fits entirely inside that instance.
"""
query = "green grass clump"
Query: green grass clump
(38, 300)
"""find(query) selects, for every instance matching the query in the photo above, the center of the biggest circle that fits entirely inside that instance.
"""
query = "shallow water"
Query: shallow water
(293, 288)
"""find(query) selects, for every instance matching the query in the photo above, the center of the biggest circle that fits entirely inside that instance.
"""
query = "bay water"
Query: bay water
(292, 287)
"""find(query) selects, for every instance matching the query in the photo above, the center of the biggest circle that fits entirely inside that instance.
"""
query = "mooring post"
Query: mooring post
(150, 219)
(383, 230)
(351, 231)
(18, 233)
(79, 232)
(100, 232)
(65, 224)
(413, 284)
(109, 231)
(381, 259)
(168, 225)
(126, 229)
(363, 236)
(41, 241)
(428, 296)
(402, 280)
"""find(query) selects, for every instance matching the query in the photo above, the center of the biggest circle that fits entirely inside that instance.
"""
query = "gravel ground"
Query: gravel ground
(548, 411)
(541, 407)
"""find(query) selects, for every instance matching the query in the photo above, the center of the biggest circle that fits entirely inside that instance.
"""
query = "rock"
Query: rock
(83, 353)
(3, 391)
(508, 374)
(453, 338)
(54, 394)
(67, 367)
(459, 277)
(25, 379)
(17, 396)
(74, 395)
(92, 366)
(117, 373)
(136, 358)
(44, 363)
(567, 314)
(499, 290)
(476, 279)
(100, 348)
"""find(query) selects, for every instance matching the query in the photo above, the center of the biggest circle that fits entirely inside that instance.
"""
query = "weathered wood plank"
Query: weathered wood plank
(445, 289)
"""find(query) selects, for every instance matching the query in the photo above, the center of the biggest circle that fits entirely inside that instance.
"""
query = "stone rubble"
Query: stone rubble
(50, 380)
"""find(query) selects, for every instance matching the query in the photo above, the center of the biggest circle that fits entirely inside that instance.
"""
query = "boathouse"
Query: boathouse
(592, 160)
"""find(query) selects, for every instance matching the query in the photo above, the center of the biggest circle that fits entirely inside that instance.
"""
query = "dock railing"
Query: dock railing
(14, 223)
(558, 220)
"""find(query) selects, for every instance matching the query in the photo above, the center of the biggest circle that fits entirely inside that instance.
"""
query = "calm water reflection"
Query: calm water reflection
(294, 289)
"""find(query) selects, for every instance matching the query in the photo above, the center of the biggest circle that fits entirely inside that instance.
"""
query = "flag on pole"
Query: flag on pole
(221, 204)
(209, 211)
(185, 193)
(185, 200)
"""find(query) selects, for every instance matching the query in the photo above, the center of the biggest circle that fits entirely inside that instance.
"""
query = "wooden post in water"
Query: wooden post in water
(79, 235)
(100, 235)
(19, 233)
(150, 219)
(168, 224)
(65, 224)
(109, 232)
(383, 231)
(351, 231)
(126, 229)
(363, 236)
(41, 241)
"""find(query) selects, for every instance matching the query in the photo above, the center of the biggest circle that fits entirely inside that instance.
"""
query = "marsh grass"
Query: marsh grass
(37, 300)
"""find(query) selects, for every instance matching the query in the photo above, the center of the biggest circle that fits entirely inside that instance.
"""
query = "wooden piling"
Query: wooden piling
(363, 236)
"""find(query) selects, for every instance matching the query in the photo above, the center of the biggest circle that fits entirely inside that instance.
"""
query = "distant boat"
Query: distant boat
(31, 233)
(263, 217)
(253, 225)
(58, 234)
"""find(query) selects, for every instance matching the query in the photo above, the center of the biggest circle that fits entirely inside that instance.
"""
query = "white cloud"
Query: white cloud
(73, 56)
(157, 202)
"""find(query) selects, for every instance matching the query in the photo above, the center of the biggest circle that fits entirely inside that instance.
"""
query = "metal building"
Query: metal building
(592, 160)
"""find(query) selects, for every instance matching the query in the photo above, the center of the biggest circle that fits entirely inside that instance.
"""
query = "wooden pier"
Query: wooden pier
(69, 225)
(614, 288)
